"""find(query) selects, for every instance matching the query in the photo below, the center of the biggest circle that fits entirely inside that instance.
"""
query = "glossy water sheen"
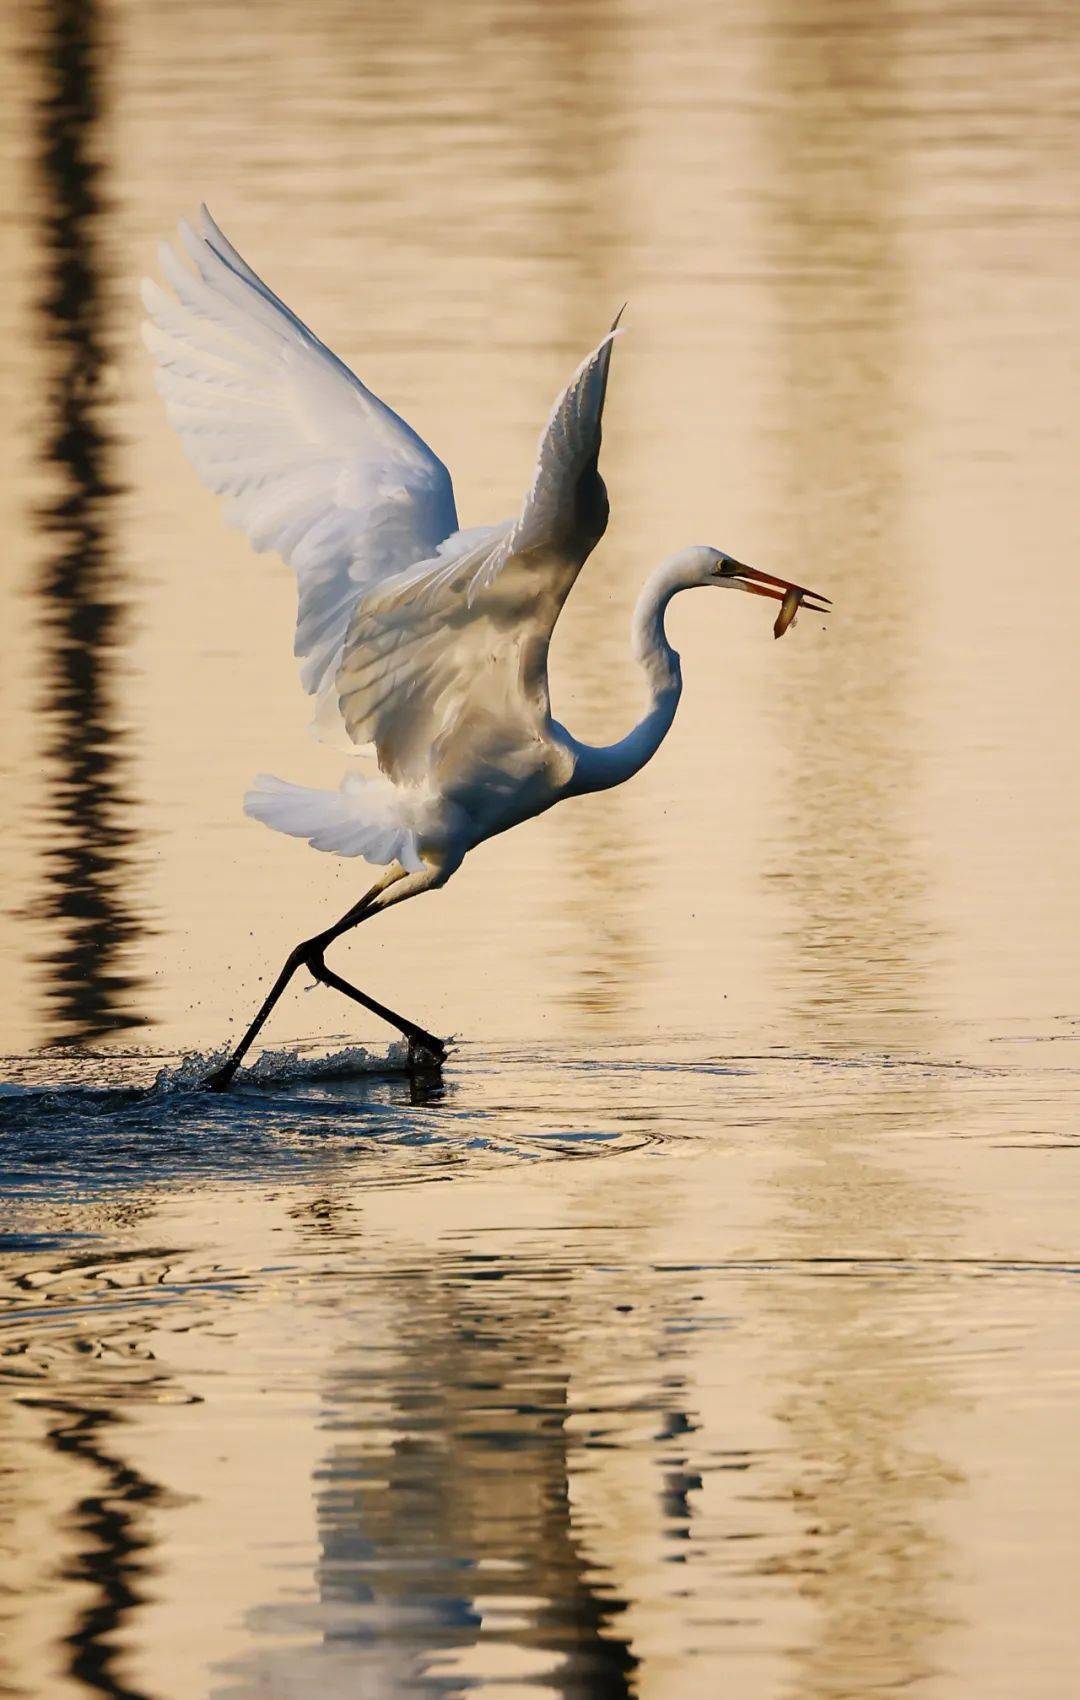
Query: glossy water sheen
(713, 1328)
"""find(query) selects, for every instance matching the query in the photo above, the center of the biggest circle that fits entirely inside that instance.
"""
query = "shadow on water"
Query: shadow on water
(90, 984)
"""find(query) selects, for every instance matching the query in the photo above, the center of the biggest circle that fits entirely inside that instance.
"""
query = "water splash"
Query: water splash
(275, 1068)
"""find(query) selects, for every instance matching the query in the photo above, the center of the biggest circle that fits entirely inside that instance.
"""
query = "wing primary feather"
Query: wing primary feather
(310, 462)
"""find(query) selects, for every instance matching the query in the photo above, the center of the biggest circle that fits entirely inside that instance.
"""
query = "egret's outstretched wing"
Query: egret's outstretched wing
(449, 658)
(311, 463)
(566, 510)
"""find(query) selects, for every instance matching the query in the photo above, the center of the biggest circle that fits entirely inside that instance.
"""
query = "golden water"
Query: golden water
(714, 1327)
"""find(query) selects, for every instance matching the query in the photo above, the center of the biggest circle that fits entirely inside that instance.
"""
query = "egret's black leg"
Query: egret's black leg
(220, 1079)
(309, 954)
(419, 1040)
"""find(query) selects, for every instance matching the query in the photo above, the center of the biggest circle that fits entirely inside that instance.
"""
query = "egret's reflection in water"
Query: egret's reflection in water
(444, 1500)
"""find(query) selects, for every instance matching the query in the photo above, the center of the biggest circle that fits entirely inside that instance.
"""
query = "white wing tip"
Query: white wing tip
(151, 294)
(208, 227)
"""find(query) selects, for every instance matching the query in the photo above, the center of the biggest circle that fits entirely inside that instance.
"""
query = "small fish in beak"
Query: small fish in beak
(788, 609)
(791, 597)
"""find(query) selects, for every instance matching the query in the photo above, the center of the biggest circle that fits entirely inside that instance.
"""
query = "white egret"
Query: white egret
(427, 641)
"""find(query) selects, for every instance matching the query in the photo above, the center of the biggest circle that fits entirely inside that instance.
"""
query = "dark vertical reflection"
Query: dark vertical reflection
(110, 1559)
(89, 984)
(78, 1516)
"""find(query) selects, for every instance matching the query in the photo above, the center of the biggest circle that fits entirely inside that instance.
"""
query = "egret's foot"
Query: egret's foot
(220, 1080)
(425, 1051)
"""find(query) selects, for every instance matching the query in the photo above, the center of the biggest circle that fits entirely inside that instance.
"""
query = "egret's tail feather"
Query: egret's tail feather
(363, 818)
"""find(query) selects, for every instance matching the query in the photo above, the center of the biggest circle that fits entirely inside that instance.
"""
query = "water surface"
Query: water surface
(712, 1326)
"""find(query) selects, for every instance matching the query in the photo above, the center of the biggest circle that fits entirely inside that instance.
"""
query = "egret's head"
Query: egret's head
(712, 566)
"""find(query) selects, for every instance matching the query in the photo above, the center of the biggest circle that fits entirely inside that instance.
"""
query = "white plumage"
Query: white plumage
(411, 633)
(311, 464)
(427, 642)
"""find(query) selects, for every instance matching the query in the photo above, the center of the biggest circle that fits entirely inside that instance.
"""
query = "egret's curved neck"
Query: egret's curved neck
(597, 769)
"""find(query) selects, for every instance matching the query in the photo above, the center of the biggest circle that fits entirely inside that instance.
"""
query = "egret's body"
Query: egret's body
(425, 641)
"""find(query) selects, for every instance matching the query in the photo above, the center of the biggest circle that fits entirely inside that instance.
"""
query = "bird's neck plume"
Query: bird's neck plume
(597, 769)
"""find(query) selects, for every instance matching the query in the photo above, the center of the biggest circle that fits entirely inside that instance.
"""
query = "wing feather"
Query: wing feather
(566, 507)
(311, 463)
(453, 651)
